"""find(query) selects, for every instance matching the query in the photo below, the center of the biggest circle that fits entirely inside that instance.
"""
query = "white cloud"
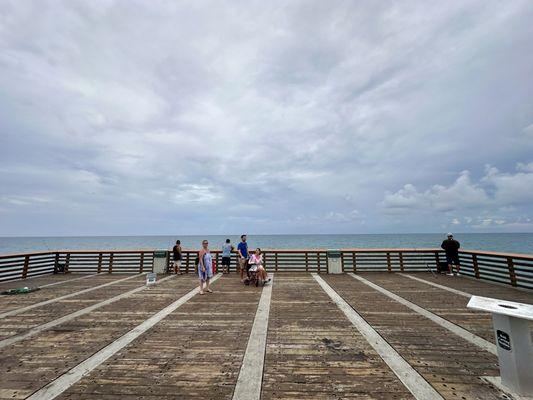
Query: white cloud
(495, 193)
(459, 195)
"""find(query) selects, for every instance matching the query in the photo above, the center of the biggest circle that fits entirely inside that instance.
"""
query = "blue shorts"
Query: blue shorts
(208, 274)
(452, 259)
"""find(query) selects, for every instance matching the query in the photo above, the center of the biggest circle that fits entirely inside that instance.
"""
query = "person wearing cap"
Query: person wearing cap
(451, 248)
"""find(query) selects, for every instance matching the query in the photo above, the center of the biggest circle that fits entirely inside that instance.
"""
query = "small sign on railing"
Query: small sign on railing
(151, 278)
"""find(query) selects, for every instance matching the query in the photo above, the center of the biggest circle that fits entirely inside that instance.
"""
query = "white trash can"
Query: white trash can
(334, 262)
(512, 330)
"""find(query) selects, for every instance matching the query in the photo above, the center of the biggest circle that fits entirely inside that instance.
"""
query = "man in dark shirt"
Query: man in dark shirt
(176, 257)
(451, 248)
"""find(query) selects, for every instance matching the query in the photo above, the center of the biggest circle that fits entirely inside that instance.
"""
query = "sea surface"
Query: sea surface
(503, 242)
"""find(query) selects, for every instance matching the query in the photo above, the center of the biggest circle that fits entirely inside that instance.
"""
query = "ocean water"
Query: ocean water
(503, 242)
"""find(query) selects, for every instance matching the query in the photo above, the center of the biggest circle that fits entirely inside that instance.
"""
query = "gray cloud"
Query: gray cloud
(126, 117)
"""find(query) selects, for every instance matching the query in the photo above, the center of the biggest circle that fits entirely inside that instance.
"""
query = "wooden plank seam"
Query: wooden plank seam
(51, 324)
(456, 329)
(65, 381)
(411, 379)
(67, 296)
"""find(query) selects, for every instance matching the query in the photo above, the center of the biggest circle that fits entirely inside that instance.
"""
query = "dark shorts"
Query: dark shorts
(452, 259)
(226, 261)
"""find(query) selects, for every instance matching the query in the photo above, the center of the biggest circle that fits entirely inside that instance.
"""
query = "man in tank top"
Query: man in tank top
(176, 257)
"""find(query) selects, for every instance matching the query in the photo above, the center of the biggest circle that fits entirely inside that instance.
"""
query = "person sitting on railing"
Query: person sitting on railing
(257, 260)
(451, 248)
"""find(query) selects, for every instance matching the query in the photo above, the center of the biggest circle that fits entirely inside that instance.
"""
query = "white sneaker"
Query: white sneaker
(448, 274)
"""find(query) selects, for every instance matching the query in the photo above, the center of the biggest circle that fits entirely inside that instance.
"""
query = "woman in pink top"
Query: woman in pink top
(257, 259)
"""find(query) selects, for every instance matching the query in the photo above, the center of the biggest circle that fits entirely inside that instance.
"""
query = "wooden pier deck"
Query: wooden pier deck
(109, 336)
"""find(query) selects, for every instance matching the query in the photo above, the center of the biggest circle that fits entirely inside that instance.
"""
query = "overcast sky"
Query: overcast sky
(193, 117)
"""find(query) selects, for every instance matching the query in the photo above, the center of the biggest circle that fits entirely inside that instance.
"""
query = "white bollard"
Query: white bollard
(511, 322)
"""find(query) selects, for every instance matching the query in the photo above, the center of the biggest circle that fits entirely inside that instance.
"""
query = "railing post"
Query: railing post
(476, 265)
(99, 269)
(167, 262)
(276, 261)
(188, 260)
(110, 269)
(141, 264)
(56, 263)
(389, 266)
(306, 261)
(437, 260)
(26, 266)
(512, 274)
(401, 261)
(318, 261)
(354, 262)
(342, 261)
(67, 262)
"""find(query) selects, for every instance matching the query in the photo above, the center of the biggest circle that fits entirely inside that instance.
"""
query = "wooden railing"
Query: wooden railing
(512, 269)
(22, 266)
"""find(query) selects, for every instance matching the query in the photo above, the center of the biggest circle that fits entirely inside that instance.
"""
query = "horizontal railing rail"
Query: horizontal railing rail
(508, 268)
(22, 266)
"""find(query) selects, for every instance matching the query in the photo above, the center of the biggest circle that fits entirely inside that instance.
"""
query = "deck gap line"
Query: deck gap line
(411, 379)
(456, 329)
(249, 382)
(69, 280)
(449, 289)
(69, 378)
(30, 278)
(51, 324)
(67, 296)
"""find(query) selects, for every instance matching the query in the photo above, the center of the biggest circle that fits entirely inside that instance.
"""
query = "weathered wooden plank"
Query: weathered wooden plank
(32, 364)
(441, 357)
(454, 328)
(314, 352)
(195, 352)
(26, 308)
